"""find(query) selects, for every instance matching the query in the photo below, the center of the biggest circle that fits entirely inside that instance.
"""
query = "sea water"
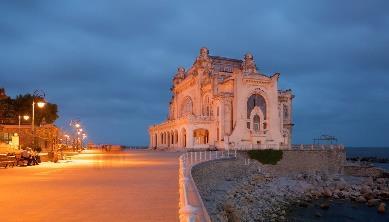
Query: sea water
(381, 152)
(340, 210)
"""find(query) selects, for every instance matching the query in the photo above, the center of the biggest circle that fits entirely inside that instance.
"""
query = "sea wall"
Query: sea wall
(365, 171)
(328, 161)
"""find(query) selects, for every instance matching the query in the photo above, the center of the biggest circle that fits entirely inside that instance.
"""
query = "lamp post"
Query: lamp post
(75, 123)
(25, 117)
(37, 94)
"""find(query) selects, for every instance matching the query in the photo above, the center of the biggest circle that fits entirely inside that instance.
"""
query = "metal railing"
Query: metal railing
(191, 206)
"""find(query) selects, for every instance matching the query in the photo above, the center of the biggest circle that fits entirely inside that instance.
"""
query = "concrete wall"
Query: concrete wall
(330, 161)
(364, 171)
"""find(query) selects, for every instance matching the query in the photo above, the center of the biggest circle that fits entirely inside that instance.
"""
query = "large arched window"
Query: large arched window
(256, 100)
(186, 106)
(256, 123)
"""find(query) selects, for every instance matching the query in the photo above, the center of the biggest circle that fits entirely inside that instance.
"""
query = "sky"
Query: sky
(110, 63)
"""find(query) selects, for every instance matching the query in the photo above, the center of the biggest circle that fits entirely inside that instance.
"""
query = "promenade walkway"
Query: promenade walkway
(137, 185)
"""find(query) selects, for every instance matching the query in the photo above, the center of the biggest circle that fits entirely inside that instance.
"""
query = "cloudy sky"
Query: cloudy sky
(110, 63)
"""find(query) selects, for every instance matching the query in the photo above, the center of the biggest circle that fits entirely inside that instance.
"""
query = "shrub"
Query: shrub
(268, 156)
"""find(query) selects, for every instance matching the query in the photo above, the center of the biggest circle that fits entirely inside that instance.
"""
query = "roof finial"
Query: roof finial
(248, 64)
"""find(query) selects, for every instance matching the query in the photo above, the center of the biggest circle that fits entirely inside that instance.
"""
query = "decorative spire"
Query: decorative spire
(203, 61)
(248, 65)
(179, 76)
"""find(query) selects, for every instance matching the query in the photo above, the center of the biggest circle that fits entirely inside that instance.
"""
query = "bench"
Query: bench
(6, 161)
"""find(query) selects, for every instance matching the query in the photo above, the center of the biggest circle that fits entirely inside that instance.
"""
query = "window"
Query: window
(256, 100)
(256, 123)
(186, 107)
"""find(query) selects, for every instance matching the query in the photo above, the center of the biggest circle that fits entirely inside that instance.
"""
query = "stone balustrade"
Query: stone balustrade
(191, 206)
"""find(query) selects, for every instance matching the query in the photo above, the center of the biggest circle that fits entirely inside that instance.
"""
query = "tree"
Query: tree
(22, 105)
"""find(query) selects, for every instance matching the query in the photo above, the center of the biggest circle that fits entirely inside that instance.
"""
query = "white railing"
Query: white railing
(192, 208)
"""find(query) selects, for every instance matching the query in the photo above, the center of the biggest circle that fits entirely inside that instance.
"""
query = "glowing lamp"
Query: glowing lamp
(25, 117)
(41, 104)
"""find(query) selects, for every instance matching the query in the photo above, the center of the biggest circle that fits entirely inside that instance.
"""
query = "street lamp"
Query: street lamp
(37, 94)
(66, 140)
(25, 117)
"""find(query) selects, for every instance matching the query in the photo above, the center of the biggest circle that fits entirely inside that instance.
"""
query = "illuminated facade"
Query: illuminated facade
(225, 103)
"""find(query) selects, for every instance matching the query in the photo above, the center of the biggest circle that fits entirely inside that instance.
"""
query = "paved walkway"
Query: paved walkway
(128, 186)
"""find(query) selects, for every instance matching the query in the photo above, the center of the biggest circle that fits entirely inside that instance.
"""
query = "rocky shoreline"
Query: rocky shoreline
(234, 191)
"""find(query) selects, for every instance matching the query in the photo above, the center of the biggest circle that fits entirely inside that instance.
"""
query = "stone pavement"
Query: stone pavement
(136, 185)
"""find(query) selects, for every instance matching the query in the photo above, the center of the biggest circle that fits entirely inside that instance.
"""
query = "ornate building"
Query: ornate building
(225, 103)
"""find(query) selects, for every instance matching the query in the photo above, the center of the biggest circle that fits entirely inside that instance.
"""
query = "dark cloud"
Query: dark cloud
(110, 63)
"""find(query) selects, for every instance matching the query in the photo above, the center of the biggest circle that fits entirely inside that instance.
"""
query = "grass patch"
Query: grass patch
(268, 156)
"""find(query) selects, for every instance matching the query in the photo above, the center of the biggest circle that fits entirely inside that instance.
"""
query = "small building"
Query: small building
(46, 136)
(225, 103)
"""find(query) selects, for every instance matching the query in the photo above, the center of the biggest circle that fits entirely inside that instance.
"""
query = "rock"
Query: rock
(345, 194)
(325, 206)
(369, 181)
(381, 180)
(327, 192)
(373, 202)
(341, 185)
(381, 208)
(365, 189)
(356, 188)
(368, 196)
(384, 195)
(360, 199)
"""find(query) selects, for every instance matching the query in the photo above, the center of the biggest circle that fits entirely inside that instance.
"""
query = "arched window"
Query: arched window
(256, 123)
(256, 100)
(186, 106)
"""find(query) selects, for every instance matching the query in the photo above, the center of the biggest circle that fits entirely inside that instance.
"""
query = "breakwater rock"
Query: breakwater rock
(235, 191)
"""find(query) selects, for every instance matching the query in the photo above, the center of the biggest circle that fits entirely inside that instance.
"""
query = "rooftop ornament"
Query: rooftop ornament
(326, 138)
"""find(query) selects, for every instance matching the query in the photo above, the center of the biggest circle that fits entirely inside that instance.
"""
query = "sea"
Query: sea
(382, 152)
